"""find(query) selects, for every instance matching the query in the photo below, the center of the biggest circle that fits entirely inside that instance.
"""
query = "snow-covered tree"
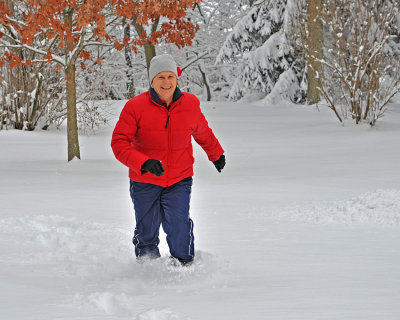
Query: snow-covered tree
(200, 73)
(151, 28)
(261, 43)
(58, 32)
(361, 58)
(30, 93)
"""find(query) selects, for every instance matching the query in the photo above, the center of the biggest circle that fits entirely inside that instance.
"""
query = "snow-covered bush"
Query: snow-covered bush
(31, 96)
(361, 58)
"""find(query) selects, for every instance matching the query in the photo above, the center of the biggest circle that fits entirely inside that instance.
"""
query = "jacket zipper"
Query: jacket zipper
(166, 124)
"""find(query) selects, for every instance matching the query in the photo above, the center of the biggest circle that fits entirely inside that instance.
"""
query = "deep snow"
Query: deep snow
(303, 223)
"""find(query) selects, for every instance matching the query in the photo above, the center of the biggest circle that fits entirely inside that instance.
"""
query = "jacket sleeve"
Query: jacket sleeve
(205, 137)
(122, 137)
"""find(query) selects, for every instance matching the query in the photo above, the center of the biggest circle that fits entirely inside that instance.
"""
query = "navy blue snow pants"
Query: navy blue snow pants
(167, 206)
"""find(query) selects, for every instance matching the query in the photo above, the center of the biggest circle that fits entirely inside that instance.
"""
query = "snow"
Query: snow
(303, 223)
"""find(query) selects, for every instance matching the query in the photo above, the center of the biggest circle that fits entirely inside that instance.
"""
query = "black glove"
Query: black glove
(220, 163)
(153, 166)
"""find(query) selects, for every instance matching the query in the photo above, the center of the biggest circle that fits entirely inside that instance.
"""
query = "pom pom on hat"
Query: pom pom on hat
(163, 62)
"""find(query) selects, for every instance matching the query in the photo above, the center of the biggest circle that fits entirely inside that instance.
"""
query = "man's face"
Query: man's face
(164, 83)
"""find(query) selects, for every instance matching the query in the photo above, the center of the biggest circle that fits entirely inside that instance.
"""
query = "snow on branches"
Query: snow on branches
(362, 58)
(259, 42)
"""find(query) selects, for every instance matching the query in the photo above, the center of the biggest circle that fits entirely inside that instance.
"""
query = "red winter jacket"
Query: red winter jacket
(148, 130)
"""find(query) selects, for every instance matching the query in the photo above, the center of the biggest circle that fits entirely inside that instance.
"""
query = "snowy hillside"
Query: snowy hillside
(303, 223)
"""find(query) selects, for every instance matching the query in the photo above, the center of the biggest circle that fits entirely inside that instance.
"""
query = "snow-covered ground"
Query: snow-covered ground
(303, 223)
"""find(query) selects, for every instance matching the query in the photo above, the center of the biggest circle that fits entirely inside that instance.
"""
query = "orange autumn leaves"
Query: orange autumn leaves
(65, 21)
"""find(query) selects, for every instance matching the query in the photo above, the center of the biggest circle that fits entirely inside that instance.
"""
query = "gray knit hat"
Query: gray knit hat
(163, 62)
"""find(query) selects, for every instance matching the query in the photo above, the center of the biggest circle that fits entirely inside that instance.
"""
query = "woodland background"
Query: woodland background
(58, 57)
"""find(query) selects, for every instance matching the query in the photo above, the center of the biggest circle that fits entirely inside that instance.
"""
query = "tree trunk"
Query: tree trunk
(128, 59)
(150, 52)
(3, 100)
(149, 49)
(72, 119)
(205, 81)
(315, 50)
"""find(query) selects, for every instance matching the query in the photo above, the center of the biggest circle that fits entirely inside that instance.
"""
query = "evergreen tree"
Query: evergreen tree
(269, 62)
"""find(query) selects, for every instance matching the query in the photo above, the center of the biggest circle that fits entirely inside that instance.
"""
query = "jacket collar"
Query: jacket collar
(154, 96)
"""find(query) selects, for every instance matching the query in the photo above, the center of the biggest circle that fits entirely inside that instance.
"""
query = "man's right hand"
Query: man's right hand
(153, 166)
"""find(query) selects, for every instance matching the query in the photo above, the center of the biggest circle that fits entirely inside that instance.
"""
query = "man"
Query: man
(153, 139)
